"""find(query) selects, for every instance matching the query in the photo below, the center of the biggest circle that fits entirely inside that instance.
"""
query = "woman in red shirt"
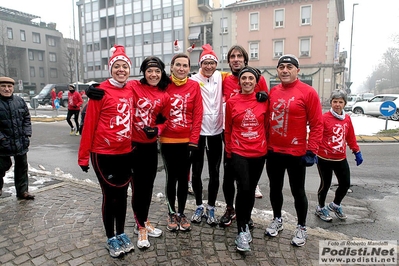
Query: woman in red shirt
(180, 136)
(338, 131)
(245, 143)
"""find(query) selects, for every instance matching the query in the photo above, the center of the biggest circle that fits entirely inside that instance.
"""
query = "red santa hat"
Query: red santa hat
(176, 45)
(208, 53)
(118, 53)
(191, 48)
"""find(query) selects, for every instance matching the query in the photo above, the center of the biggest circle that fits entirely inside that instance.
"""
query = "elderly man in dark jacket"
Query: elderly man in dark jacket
(15, 131)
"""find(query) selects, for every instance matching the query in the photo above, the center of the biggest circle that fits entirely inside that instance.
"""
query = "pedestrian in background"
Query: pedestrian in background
(210, 81)
(237, 57)
(294, 106)
(53, 96)
(74, 103)
(245, 143)
(338, 131)
(179, 138)
(15, 131)
(151, 110)
(106, 140)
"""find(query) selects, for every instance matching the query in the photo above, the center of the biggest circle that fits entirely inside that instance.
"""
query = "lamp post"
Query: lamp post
(349, 83)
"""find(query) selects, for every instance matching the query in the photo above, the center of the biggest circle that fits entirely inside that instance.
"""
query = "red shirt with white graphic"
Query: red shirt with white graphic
(108, 123)
(184, 124)
(336, 135)
(246, 125)
(148, 102)
(293, 107)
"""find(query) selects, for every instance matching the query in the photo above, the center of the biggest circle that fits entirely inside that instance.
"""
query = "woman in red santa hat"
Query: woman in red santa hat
(106, 140)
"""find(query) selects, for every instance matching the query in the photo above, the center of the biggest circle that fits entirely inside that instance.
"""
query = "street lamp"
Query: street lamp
(349, 83)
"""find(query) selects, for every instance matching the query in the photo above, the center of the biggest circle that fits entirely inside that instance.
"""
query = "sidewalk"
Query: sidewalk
(63, 226)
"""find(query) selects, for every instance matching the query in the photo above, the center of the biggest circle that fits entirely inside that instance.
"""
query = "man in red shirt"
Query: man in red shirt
(294, 106)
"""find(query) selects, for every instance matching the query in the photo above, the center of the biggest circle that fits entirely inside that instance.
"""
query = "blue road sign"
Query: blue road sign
(388, 108)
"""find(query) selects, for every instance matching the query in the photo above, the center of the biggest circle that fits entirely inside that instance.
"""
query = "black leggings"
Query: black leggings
(75, 113)
(176, 161)
(145, 165)
(341, 171)
(114, 174)
(214, 148)
(248, 172)
(276, 164)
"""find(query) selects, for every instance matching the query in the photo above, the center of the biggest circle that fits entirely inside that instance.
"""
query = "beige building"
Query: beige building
(268, 29)
(30, 52)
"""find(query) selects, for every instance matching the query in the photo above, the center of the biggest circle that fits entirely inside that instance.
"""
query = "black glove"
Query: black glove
(309, 158)
(261, 96)
(85, 168)
(192, 146)
(94, 92)
(151, 132)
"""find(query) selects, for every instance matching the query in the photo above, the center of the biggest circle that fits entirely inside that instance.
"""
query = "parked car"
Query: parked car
(23, 95)
(352, 99)
(44, 96)
(372, 106)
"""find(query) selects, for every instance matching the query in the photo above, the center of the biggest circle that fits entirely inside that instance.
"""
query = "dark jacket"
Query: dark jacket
(15, 126)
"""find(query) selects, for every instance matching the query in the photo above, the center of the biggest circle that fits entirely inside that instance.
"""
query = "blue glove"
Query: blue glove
(309, 158)
(358, 158)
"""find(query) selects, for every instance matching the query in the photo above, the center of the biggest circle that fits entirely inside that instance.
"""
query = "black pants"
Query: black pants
(248, 172)
(75, 113)
(341, 171)
(114, 175)
(177, 165)
(228, 187)
(214, 147)
(20, 172)
(276, 165)
(144, 164)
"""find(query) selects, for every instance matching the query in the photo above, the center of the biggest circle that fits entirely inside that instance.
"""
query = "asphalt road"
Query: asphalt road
(370, 207)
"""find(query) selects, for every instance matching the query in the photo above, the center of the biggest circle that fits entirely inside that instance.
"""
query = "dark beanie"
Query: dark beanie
(288, 58)
(152, 61)
(253, 71)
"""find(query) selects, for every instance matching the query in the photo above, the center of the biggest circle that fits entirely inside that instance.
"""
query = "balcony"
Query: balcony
(200, 21)
(204, 5)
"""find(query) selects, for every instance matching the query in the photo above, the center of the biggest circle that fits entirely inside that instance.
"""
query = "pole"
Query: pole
(74, 46)
(350, 49)
(221, 30)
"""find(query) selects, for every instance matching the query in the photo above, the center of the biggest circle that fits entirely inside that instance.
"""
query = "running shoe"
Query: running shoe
(72, 131)
(142, 241)
(114, 247)
(275, 227)
(228, 217)
(151, 230)
(258, 193)
(300, 236)
(127, 245)
(323, 214)
(242, 242)
(198, 214)
(184, 224)
(248, 233)
(337, 210)
(211, 219)
(172, 222)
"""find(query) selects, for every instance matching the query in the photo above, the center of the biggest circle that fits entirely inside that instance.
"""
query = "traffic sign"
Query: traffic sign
(388, 108)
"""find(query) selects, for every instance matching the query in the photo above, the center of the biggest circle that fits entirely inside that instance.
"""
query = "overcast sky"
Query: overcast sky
(375, 23)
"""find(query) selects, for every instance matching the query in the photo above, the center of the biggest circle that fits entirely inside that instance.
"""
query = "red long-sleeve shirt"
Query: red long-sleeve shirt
(148, 102)
(337, 133)
(292, 107)
(184, 124)
(108, 123)
(74, 101)
(246, 125)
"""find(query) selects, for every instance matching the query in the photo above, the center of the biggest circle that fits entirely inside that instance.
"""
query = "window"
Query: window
(10, 34)
(178, 11)
(254, 21)
(147, 16)
(89, 47)
(157, 36)
(278, 48)
(97, 46)
(279, 18)
(51, 41)
(224, 51)
(31, 56)
(137, 18)
(52, 57)
(129, 41)
(23, 36)
(138, 40)
(32, 72)
(41, 72)
(138, 61)
(167, 12)
(35, 37)
(306, 12)
(223, 25)
(12, 71)
(156, 14)
(53, 73)
(40, 56)
(304, 46)
(147, 38)
(254, 50)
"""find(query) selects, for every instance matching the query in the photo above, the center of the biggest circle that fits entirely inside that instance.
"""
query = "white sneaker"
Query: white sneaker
(142, 241)
(300, 236)
(258, 194)
(151, 230)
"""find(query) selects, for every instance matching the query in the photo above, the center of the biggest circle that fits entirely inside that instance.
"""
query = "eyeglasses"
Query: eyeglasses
(209, 63)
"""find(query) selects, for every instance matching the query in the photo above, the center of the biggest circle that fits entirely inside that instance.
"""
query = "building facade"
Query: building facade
(31, 53)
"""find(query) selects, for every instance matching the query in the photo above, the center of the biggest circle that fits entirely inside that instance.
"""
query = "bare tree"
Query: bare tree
(69, 67)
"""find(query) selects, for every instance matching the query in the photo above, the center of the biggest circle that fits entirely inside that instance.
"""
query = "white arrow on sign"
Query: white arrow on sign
(389, 108)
